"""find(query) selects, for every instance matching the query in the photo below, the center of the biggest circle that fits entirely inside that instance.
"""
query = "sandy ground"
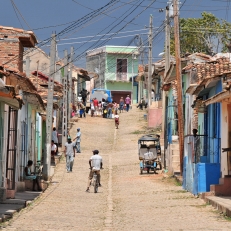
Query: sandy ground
(127, 200)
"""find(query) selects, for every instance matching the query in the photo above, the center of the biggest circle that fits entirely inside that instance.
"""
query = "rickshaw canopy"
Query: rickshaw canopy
(148, 138)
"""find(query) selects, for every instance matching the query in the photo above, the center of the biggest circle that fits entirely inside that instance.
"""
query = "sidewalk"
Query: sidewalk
(222, 204)
(22, 199)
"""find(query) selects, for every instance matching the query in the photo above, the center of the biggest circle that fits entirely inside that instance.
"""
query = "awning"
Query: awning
(34, 99)
(7, 96)
(191, 88)
(207, 82)
(85, 77)
(217, 98)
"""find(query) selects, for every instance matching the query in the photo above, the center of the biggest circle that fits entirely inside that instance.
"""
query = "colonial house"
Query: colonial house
(116, 67)
(207, 126)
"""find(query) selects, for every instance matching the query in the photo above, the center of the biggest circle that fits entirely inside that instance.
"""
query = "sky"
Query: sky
(89, 24)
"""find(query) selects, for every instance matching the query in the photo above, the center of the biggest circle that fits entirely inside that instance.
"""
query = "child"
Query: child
(116, 120)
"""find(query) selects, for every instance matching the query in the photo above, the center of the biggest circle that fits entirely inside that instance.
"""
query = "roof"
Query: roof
(114, 50)
(206, 74)
(44, 77)
(27, 38)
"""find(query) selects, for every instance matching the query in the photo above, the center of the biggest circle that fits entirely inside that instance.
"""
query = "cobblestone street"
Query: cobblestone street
(127, 200)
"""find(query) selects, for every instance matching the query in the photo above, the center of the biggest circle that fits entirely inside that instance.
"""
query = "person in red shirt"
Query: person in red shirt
(96, 104)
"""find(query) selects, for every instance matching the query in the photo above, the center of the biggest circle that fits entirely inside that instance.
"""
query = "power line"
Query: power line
(93, 14)
(12, 3)
(93, 36)
(95, 40)
(115, 33)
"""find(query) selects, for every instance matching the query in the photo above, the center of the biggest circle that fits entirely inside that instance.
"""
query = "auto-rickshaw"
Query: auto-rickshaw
(149, 153)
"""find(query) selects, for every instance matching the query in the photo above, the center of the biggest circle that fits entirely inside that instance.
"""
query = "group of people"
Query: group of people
(95, 162)
(124, 104)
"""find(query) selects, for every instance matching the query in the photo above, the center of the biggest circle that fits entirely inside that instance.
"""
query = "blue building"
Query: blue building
(202, 140)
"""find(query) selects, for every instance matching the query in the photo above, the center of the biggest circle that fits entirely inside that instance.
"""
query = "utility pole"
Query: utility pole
(70, 84)
(150, 37)
(179, 83)
(167, 65)
(64, 127)
(49, 111)
(37, 74)
(132, 95)
(28, 66)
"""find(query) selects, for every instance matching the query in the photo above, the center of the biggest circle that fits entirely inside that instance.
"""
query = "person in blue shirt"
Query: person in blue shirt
(78, 140)
(31, 176)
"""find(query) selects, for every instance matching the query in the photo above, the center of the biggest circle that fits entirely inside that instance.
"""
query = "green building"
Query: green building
(116, 67)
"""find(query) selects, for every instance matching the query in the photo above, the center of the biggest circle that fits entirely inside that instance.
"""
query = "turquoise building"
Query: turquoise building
(116, 66)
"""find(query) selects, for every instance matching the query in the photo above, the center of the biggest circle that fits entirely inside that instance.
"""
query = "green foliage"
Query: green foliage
(208, 35)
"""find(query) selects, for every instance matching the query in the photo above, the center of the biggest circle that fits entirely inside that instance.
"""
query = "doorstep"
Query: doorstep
(10, 206)
(223, 204)
(22, 199)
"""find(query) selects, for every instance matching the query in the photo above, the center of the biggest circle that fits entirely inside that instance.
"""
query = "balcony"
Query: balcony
(121, 76)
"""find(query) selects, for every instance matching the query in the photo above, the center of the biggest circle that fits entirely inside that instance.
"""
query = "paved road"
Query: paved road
(127, 200)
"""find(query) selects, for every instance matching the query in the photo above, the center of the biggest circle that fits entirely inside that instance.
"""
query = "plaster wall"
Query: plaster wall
(44, 61)
(224, 137)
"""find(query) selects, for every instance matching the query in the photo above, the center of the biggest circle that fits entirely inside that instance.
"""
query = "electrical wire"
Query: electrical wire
(16, 13)
(76, 22)
(105, 13)
(93, 36)
(102, 43)
(20, 14)
(83, 53)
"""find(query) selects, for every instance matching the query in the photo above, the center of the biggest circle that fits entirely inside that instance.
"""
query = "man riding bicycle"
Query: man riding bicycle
(96, 163)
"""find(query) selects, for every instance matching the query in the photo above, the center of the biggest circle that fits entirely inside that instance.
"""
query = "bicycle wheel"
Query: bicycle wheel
(95, 184)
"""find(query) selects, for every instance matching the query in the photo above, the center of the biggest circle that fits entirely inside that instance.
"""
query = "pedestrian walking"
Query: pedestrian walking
(100, 108)
(55, 139)
(96, 105)
(116, 120)
(121, 104)
(69, 154)
(109, 110)
(78, 140)
(128, 102)
(53, 150)
(92, 109)
(82, 110)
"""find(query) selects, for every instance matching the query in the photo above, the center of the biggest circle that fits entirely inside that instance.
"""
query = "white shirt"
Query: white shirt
(53, 147)
(54, 137)
(116, 116)
(96, 161)
(69, 148)
(78, 134)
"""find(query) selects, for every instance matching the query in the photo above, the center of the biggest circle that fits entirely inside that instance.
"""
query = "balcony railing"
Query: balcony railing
(121, 76)
(203, 147)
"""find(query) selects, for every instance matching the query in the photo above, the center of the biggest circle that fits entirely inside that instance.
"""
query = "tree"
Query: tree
(208, 35)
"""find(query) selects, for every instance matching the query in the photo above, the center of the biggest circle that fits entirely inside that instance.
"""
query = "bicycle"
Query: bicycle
(95, 182)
